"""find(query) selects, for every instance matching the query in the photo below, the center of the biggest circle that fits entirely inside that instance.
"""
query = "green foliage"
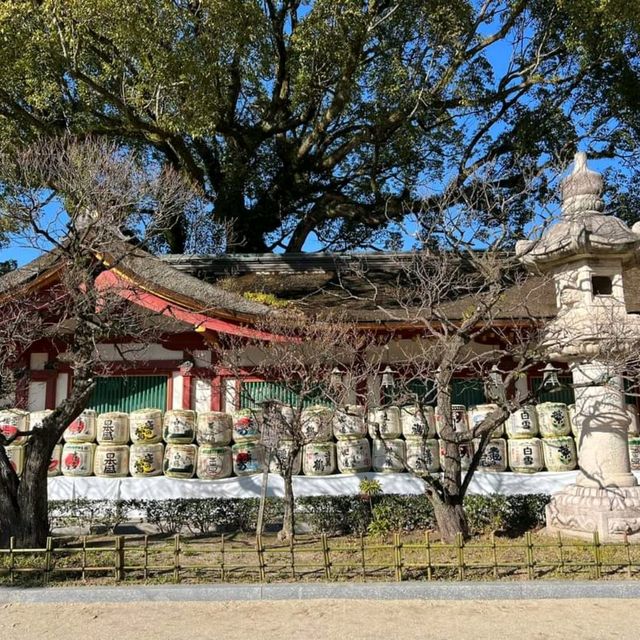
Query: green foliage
(266, 298)
(370, 488)
(511, 514)
(324, 116)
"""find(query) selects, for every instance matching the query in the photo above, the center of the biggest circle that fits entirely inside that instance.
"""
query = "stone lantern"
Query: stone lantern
(586, 253)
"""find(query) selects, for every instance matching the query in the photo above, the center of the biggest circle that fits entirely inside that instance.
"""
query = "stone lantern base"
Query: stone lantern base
(580, 511)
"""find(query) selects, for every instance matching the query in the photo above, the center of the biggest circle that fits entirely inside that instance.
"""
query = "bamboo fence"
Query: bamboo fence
(227, 559)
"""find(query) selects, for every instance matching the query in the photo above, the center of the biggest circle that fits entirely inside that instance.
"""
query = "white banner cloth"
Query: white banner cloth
(163, 488)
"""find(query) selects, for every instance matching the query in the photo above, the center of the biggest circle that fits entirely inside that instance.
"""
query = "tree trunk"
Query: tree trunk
(451, 519)
(288, 521)
(8, 500)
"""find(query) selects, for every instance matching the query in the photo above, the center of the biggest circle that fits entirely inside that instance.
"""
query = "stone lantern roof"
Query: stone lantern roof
(584, 230)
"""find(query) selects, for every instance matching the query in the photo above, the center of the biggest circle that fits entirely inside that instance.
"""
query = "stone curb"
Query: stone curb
(383, 591)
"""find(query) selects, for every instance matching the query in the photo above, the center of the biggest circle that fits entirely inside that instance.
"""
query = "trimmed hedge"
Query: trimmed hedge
(377, 515)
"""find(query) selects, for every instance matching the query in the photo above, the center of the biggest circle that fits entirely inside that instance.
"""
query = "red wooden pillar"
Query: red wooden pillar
(187, 381)
(216, 393)
(50, 394)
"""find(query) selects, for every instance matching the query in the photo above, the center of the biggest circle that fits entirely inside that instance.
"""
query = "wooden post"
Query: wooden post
(427, 541)
(326, 557)
(397, 556)
(495, 555)
(12, 542)
(530, 560)
(223, 574)
(48, 560)
(260, 552)
(460, 546)
(597, 554)
(176, 558)
(362, 558)
(293, 556)
(628, 549)
(119, 574)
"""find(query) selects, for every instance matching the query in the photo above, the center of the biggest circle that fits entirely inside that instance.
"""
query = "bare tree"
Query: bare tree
(313, 361)
(65, 298)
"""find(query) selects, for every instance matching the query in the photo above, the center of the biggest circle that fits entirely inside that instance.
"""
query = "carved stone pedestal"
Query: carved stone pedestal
(579, 511)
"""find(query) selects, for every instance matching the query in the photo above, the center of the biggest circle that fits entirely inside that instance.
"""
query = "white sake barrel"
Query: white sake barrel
(354, 456)
(113, 428)
(12, 421)
(36, 418)
(16, 458)
(214, 462)
(248, 458)
(111, 461)
(478, 413)
(523, 423)
(282, 452)
(494, 457)
(559, 453)
(55, 462)
(575, 426)
(348, 423)
(145, 460)
(145, 426)
(317, 423)
(214, 428)
(466, 454)
(525, 455)
(634, 453)
(632, 412)
(553, 419)
(83, 428)
(423, 455)
(459, 419)
(247, 424)
(77, 459)
(180, 460)
(179, 426)
(388, 455)
(418, 422)
(385, 423)
(319, 459)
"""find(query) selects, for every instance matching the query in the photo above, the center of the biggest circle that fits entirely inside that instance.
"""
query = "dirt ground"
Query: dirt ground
(326, 619)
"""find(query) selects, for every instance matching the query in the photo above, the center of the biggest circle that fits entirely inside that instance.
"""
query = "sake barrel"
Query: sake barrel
(55, 462)
(316, 423)
(247, 425)
(113, 428)
(478, 413)
(348, 423)
(494, 456)
(523, 423)
(423, 455)
(282, 453)
(354, 456)
(459, 419)
(634, 453)
(145, 426)
(632, 412)
(15, 454)
(248, 458)
(36, 418)
(385, 423)
(180, 460)
(179, 427)
(12, 421)
(145, 460)
(111, 461)
(319, 459)
(525, 455)
(559, 453)
(214, 462)
(575, 425)
(553, 419)
(418, 422)
(214, 428)
(388, 455)
(77, 459)
(83, 428)
(466, 450)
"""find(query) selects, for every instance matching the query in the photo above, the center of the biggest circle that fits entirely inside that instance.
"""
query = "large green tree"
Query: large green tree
(325, 118)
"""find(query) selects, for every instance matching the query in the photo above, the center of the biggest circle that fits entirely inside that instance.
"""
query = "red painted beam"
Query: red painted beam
(153, 302)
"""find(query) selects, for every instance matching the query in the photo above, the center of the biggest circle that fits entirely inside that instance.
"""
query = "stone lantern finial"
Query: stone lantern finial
(582, 189)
